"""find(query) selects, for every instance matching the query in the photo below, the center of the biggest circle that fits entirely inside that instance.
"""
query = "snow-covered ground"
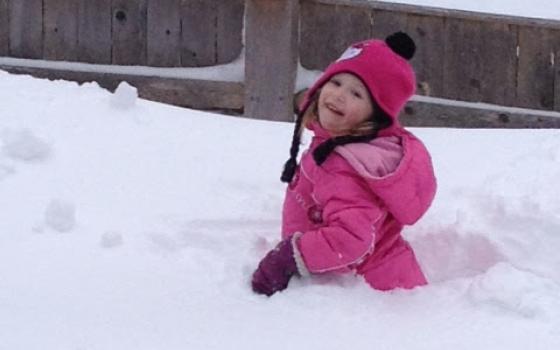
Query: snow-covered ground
(128, 224)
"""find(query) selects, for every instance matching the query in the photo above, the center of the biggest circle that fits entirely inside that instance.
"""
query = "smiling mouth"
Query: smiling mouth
(333, 109)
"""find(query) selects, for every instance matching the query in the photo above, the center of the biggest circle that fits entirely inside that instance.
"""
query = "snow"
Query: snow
(233, 71)
(128, 224)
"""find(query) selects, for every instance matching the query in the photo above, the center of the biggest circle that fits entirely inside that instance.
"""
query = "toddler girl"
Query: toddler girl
(362, 179)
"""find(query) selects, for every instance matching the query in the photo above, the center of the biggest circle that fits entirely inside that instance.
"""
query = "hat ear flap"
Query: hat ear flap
(401, 44)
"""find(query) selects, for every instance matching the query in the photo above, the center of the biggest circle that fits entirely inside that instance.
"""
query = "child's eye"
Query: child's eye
(356, 94)
(334, 82)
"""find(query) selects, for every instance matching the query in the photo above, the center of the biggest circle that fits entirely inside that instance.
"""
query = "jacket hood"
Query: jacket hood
(398, 169)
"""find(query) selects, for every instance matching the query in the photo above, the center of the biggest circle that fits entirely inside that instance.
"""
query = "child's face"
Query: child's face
(344, 103)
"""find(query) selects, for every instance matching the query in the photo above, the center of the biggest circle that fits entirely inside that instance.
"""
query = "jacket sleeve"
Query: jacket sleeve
(351, 215)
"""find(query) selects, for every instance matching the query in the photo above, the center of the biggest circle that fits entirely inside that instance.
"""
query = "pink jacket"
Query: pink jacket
(349, 212)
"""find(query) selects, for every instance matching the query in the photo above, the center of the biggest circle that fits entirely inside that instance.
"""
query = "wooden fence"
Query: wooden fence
(165, 33)
(466, 56)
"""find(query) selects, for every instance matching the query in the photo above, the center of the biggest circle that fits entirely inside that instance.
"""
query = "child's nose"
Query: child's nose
(339, 95)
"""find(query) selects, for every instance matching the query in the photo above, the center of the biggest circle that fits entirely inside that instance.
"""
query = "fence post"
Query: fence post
(271, 55)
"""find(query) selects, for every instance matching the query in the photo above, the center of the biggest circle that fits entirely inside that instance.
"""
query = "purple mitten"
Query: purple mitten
(275, 269)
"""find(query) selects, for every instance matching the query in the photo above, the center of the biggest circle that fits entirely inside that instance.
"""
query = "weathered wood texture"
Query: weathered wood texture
(94, 41)
(229, 32)
(536, 74)
(60, 20)
(129, 32)
(428, 33)
(420, 113)
(199, 33)
(271, 32)
(4, 28)
(460, 55)
(26, 28)
(211, 31)
(199, 94)
(327, 30)
(164, 33)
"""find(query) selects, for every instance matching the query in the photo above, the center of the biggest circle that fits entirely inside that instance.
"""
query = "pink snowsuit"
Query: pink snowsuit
(349, 212)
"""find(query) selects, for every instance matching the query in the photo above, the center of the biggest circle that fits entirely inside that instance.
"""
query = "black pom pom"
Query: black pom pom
(402, 44)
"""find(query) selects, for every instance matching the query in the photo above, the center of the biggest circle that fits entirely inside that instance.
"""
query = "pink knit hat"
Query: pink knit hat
(382, 66)
(384, 69)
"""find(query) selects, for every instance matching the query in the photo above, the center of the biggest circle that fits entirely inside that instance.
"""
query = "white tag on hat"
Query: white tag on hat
(350, 52)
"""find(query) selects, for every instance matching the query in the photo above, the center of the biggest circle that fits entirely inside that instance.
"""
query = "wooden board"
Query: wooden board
(386, 23)
(60, 20)
(428, 34)
(462, 74)
(329, 30)
(129, 32)
(4, 28)
(94, 33)
(271, 32)
(535, 75)
(164, 33)
(469, 115)
(26, 36)
(229, 30)
(198, 42)
(498, 53)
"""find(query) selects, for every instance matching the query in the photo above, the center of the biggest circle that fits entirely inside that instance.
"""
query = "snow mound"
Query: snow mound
(514, 290)
(125, 96)
(23, 145)
(60, 215)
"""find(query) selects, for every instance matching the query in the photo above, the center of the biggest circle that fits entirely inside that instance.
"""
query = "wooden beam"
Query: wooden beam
(198, 94)
(271, 54)
(425, 112)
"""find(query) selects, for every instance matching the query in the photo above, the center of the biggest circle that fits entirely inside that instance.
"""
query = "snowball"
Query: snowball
(125, 96)
(24, 145)
(111, 240)
(60, 215)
